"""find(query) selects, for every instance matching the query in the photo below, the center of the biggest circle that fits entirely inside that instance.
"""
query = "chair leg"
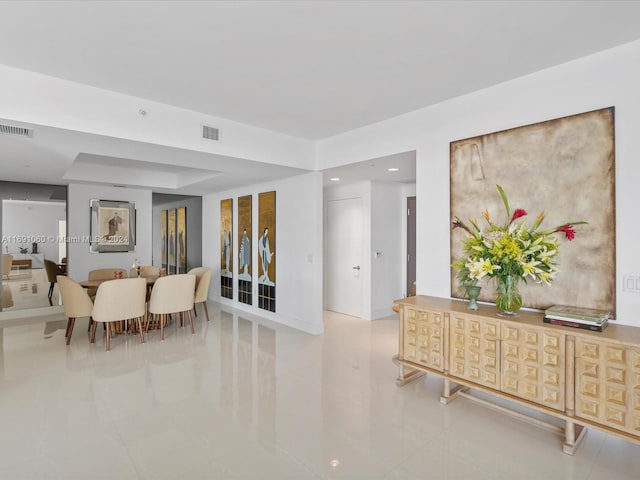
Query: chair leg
(93, 332)
(162, 317)
(141, 330)
(51, 290)
(66, 333)
(70, 324)
(206, 310)
(108, 336)
(191, 322)
(195, 310)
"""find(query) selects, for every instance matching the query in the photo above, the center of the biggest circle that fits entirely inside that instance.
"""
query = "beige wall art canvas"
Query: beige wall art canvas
(564, 168)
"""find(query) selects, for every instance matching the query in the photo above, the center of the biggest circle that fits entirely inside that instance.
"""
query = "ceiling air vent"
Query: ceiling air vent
(210, 133)
(19, 131)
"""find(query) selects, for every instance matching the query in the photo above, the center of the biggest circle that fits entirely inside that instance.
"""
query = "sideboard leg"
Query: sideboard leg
(573, 435)
(406, 374)
(449, 394)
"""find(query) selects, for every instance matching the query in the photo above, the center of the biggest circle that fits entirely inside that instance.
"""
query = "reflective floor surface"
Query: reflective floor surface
(27, 288)
(249, 399)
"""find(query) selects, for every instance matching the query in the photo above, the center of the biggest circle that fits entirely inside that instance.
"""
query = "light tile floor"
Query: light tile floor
(244, 398)
(27, 288)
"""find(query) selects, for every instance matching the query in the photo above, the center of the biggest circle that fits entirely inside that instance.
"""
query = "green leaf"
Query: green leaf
(505, 201)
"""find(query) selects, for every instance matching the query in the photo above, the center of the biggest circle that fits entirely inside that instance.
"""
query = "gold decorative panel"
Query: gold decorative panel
(226, 248)
(475, 347)
(524, 374)
(266, 251)
(423, 338)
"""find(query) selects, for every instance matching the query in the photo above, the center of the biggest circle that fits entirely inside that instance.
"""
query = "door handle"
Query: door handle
(357, 267)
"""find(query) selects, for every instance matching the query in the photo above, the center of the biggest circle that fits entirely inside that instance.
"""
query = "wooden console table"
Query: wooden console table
(18, 264)
(584, 378)
(29, 260)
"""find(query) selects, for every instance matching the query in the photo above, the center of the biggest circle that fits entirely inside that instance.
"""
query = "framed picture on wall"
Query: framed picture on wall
(245, 241)
(171, 243)
(267, 251)
(163, 238)
(112, 226)
(182, 240)
(226, 248)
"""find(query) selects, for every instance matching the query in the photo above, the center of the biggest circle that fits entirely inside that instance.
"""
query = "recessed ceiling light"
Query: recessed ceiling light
(334, 463)
(334, 179)
(393, 169)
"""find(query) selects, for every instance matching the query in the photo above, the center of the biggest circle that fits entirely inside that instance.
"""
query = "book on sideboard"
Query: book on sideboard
(596, 327)
(577, 320)
(565, 312)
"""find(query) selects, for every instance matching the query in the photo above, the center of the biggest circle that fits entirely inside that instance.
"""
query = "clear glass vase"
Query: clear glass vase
(508, 299)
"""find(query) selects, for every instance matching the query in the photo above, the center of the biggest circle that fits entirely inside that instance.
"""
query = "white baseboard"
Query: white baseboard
(258, 313)
(383, 313)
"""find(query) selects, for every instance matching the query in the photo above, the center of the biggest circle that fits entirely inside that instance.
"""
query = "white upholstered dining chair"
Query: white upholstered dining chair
(75, 301)
(145, 271)
(116, 300)
(203, 279)
(104, 274)
(172, 294)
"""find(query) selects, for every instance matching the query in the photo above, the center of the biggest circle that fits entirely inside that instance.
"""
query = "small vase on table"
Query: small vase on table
(473, 291)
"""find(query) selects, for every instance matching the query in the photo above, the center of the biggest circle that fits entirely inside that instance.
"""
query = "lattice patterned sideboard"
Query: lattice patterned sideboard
(584, 378)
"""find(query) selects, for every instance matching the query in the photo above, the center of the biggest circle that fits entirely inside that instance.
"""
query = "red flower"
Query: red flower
(518, 212)
(568, 230)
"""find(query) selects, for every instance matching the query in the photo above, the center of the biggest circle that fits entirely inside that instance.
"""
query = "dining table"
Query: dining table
(96, 283)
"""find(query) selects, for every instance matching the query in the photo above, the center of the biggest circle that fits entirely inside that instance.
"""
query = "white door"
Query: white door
(343, 280)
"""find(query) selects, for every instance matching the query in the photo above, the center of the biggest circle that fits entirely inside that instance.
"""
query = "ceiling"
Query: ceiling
(397, 168)
(58, 156)
(310, 69)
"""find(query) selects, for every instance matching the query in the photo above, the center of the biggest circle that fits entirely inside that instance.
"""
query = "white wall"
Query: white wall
(610, 78)
(42, 100)
(387, 239)
(81, 261)
(32, 221)
(298, 252)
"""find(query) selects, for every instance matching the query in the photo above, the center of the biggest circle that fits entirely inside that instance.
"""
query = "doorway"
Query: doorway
(411, 245)
(344, 246)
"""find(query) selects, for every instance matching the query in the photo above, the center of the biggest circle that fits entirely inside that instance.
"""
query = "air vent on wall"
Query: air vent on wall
(210, 133)
(12, 130)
